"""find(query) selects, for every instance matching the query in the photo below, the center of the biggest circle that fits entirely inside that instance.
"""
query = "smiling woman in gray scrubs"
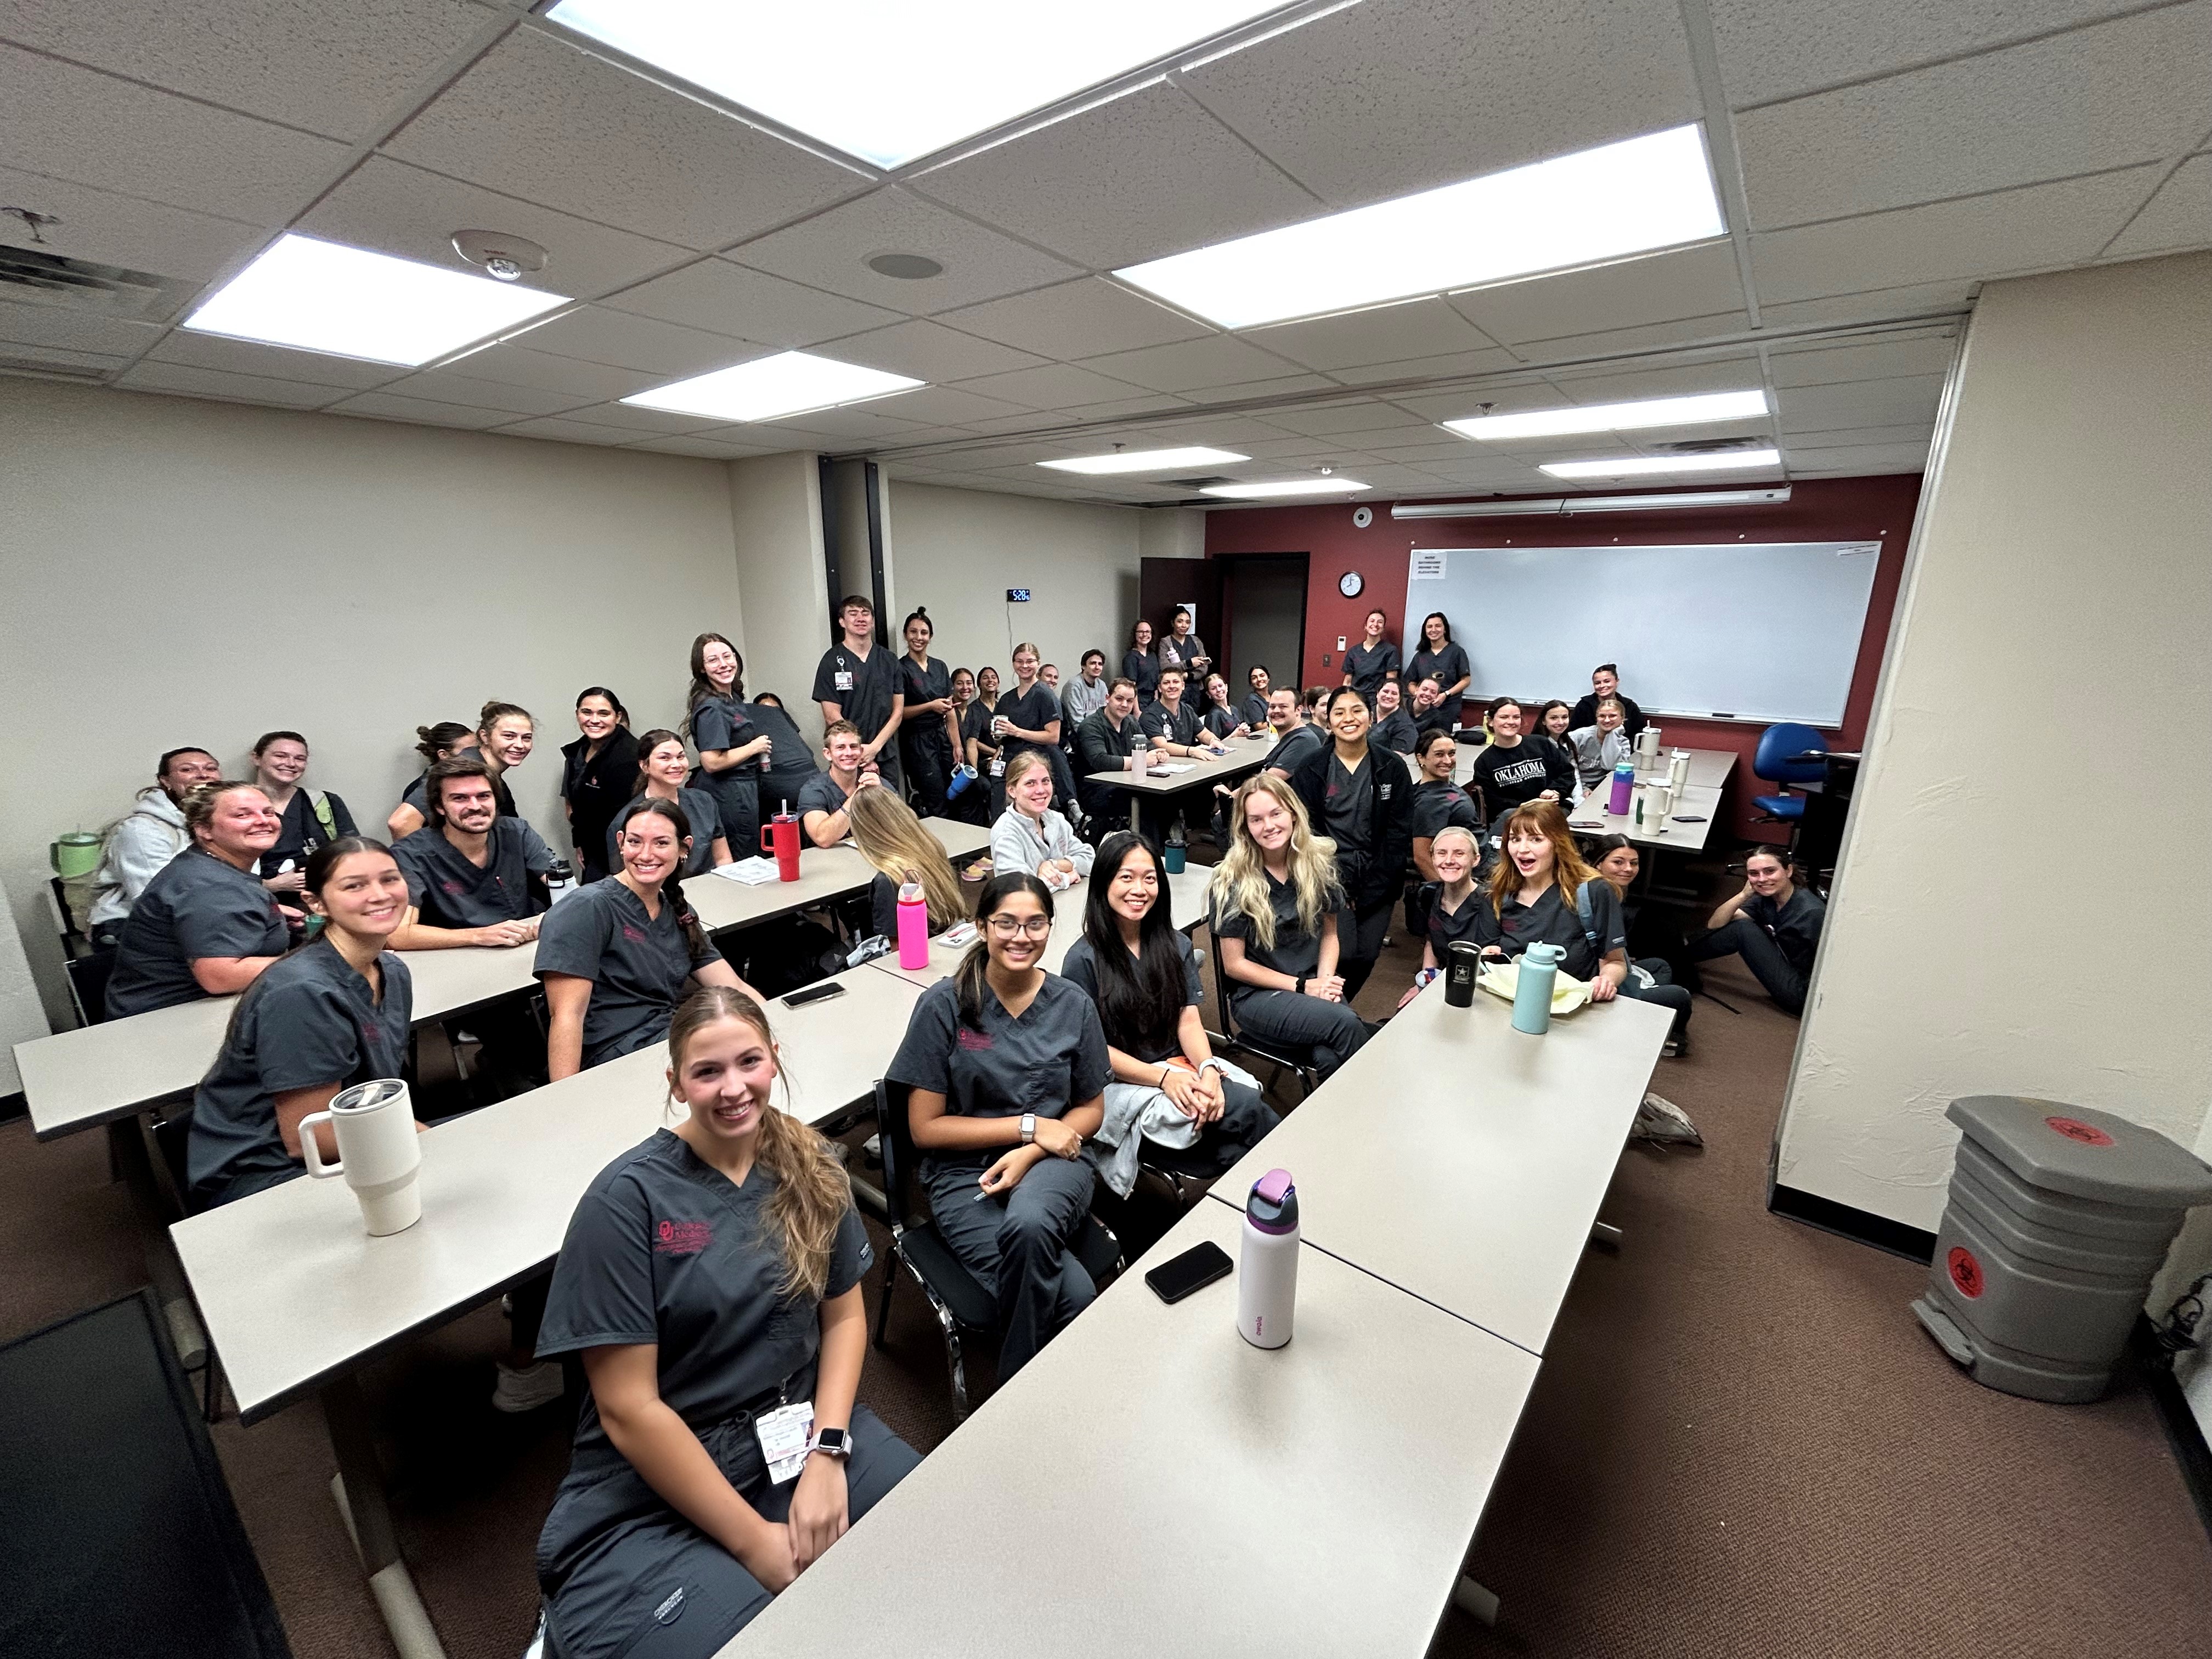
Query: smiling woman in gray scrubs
(711, 1282)
(1007, 1067)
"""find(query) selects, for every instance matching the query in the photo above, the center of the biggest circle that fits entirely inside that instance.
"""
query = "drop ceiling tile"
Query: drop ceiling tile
(880, 420)
(1458, 365)
(339, 70)
(235, 388)
(385, 407)
(1926, 353)
(1769, 52)
(2135, 90)
(640, 421)
(397, 208)
(1418, 328)
(538, 118)
(1874, 305)
(519, 365)
(2034, 228)
(728, 299)
(214, 351)
(830, 251)
(623, 339)
(110, 228)
(930, 351)
(575, 431)
(1055, 385)
(1657, 288)
(1445, 447)
(1212, 359)
(707, 447)
(1507, 397)
(1085, 319)
(452, 386)
(1353, 418)
(1138, 178)
(2179, 216)
(46, 356)
(1145, 405)
(1624, 342)
(1851, 436)
(1907, 400)
(949, 405)
(1221, 431)
(73, 124)
(74, 330)
(1382, 99)
(1856, 462)
(1737, 373)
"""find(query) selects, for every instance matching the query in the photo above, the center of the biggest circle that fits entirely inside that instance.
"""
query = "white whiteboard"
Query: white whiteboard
(1735, 631)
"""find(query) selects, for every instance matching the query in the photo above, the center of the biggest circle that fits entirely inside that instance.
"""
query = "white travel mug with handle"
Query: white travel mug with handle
(379, 1153)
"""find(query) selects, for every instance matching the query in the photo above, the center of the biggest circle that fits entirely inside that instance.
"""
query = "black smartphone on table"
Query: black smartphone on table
(1194, 1270)
(821, 993)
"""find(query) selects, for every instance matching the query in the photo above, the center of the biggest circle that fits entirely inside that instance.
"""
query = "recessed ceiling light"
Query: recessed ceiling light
(1638, 466)
(1147, 460)
(1273, 487)
(904, 80)
(1628, 197)
(768, 388)
(323, 296)
(1612, 417)
(906, 267)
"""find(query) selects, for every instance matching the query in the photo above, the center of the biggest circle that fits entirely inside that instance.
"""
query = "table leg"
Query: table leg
(130, 1158)
(358, 1486)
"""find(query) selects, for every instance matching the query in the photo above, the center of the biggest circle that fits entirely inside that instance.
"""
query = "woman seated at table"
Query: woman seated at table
(1274, 904)
(1005, 1068)
(1516, 769)
(1221, 721)
(1393, 728)
(1618, 862)
(899, 848)
(614, 956)
(1542, 890)
(663, 769)
(1449, 902)
(709, 1275)
(205, 927)
(325, 1017)
(1437, 801)
(1551, 725)
(1030, 836)
(1596, 749)
(1142, 972)
(1773, 924)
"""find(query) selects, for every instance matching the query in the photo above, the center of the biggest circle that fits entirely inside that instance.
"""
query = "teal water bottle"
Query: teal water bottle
(1532, 996)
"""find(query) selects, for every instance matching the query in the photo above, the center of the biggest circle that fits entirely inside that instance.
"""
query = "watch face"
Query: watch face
(1349, 584)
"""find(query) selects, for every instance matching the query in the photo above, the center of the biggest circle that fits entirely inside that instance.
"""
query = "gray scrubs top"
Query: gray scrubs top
(1348, 806)
(197, 906)
(1796, 927)
(662, 1249)
(791, 761)
(1295, 953)
(637, 965)
(1369, 669)
(918, 686)
(1182, 654)
(1221, 721)
(1049, 1060)
(307, 1022)
(821, 794)
(861, 687)
(1553, 921)
(1397, 732)
(1180, 725)
(1440, 802)
(1449, 666)
(1255, 711)
(1080, 969)
(1294, 749)
(699, 811)
(451, 892)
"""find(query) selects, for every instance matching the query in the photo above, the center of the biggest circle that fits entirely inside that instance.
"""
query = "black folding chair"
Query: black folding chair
(1281, 1056)
(88, 978)
(960, 1304)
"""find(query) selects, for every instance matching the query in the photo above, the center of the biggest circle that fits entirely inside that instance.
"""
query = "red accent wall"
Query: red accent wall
(1821, 510)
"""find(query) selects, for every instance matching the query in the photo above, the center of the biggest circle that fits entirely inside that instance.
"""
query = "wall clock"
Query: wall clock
(1349, 584)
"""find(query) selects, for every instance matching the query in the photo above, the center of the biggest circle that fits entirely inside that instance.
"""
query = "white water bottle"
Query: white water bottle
(1268, 1270)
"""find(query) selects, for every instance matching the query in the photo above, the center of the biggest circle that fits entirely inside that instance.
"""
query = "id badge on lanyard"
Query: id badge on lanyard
(785, 1433)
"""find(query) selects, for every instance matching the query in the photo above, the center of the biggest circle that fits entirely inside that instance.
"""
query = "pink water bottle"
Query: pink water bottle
(913, 926)
(1624, 783)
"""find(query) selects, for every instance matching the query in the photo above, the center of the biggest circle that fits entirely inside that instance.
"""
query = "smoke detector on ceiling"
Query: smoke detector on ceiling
(507, 257)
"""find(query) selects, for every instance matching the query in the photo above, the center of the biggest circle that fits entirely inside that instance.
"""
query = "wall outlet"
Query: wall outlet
(1324, 659)
(1017, 596)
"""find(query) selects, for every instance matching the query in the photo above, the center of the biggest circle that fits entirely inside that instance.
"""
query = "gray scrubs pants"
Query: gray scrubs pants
(1761, 955)
(1662, 990)
(1331, 1029)
(1016, 1247)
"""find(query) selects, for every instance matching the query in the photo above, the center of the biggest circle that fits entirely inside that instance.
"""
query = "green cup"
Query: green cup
(76, 854)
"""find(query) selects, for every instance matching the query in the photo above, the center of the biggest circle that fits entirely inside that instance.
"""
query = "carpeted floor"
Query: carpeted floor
(1740, 1444)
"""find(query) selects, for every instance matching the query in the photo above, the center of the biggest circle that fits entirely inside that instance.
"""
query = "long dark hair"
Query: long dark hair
(671, 890)
(702, 687)
(996, 891)
(432, 742)
(1140, 998)
(1434, 615)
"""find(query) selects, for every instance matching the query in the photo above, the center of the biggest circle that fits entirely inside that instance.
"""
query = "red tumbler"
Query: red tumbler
(780, 835)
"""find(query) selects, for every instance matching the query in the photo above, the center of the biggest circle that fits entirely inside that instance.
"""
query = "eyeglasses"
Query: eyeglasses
(1029, 927)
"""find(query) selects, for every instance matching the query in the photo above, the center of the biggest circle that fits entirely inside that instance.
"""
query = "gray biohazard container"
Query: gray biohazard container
(2059, 1217)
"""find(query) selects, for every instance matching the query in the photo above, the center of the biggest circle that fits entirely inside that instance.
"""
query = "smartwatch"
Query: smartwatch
(836, 1442)
(1029, 1128)
(1302, 985)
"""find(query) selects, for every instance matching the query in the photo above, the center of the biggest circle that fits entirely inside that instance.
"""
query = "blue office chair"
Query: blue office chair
(1788, 753)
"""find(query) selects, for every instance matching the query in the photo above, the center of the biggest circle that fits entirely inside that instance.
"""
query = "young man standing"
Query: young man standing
(858, 682)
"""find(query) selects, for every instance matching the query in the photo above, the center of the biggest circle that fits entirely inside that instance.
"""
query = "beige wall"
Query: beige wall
(776, 511)
(179, 572)
(2027, 917)
(957, 551)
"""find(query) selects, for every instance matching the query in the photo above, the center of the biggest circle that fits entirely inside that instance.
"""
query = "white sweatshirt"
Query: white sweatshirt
(139, 845)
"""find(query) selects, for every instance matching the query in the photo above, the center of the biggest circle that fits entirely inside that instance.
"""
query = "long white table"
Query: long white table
(1671, 833)
(96, 1074)
(1151, 1484)
(1245, 756)
(1186, 897)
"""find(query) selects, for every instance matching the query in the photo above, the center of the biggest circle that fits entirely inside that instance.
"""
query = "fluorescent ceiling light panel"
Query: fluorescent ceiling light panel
(1639, 466)
(767, 388)
(1612, 417)
(323, 296)
(1147, 460)
(1627, 198)
(895, 79)
(1274, 487)
(1522, 505)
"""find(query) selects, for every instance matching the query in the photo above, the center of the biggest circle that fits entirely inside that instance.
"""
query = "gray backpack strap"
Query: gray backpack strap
(1589, 920)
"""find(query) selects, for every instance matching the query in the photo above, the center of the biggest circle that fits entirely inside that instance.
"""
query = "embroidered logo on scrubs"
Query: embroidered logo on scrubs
(682, 1237)
(632, 935)
(452, 887)
(972, 1040)
(670, 1610)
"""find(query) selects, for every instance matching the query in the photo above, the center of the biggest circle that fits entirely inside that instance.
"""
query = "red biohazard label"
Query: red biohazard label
(2074, 1129)
(1965, 1272)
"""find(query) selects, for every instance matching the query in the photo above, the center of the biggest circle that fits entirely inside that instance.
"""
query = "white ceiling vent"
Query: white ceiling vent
(40, 278)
